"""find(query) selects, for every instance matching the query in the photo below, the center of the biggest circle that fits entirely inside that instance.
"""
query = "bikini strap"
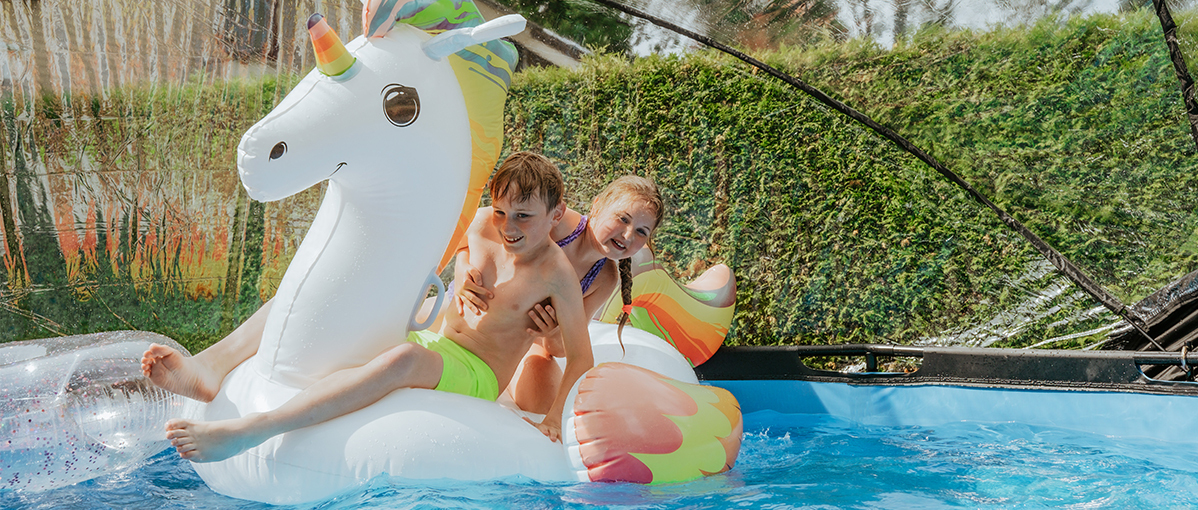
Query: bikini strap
(592, 274)
(582, 225)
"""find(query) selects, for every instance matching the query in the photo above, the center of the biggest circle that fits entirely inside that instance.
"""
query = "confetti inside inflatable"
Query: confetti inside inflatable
(77, 407)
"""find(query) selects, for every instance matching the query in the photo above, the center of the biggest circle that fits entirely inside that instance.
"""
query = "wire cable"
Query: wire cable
(1071, 271)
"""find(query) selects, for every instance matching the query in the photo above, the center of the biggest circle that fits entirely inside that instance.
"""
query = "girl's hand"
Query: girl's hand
(472, 294)
(551, 427)
(544, 318)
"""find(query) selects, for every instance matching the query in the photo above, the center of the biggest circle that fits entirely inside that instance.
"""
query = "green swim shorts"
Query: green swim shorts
(463, 372)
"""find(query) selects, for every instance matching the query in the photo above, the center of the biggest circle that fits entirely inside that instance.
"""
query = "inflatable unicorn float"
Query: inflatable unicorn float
(405, 125)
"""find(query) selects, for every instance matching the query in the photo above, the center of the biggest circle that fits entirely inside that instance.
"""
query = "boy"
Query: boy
(474, 353)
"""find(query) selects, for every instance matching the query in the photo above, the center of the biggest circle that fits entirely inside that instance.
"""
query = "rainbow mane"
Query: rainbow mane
(484, 72)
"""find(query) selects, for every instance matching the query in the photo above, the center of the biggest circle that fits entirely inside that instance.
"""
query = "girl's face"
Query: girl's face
(623, 228)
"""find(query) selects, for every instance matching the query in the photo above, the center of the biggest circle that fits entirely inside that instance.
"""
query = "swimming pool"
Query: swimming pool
(831, 445)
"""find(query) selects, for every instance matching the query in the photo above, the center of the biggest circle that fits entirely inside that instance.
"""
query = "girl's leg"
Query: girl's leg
(535, 384)
(405, 366)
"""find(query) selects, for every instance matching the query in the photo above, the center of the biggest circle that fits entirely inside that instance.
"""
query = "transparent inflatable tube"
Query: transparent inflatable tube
(74, 408)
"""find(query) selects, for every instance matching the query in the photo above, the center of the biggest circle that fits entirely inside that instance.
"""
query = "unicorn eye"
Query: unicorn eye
(401, 104)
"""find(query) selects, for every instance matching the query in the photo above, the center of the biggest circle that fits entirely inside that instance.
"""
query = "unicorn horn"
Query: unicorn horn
(331, 56)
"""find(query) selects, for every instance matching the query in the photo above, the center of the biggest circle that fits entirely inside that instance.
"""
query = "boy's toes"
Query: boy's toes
(176, 427)
(158, 350)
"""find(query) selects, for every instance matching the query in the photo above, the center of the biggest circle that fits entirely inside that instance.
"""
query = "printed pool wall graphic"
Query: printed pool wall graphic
(119, 122)
(124, 215)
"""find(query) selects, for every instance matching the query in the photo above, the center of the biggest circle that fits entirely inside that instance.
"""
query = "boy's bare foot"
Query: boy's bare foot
(172, 371)
(211, 441)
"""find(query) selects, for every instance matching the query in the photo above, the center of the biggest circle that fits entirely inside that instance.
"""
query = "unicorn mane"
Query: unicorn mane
(484, 71)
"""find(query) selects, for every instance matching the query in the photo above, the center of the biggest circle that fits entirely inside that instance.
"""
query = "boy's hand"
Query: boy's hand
(472, 293)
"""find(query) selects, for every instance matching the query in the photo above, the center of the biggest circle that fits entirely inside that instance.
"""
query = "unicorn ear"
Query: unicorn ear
(378, 16)
(452, 41)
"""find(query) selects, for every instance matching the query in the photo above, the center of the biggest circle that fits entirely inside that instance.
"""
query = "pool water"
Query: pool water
(787, 461)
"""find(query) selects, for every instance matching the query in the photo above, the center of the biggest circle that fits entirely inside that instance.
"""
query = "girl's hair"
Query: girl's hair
(629, 189)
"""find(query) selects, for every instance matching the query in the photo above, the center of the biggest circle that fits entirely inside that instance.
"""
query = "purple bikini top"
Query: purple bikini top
(595, 269)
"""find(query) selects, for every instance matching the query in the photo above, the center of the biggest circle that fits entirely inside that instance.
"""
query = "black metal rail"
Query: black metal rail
(988, 367)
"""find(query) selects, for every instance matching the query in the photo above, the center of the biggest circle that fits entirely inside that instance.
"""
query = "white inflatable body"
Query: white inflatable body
(395, 191)
(414, 433)
(393, 196)
(388, 128)
(396, 188)
(77, 407)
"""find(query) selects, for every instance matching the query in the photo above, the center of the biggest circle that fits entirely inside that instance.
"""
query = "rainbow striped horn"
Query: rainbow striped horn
(331, 56)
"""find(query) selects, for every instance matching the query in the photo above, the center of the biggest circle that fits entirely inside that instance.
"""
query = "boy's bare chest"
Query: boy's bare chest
(517, 287)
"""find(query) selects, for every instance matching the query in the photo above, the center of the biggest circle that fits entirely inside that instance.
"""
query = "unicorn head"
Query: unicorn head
(384, 102)
(396, 128)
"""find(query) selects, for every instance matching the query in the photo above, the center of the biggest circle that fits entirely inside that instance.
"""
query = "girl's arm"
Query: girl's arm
(547, 332)
(468, 279)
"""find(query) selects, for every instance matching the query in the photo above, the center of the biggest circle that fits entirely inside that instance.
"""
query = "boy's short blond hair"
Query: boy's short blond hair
(526, 173)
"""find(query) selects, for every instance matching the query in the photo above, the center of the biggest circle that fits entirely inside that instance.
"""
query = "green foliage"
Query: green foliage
(1075, 128)
(580, 21)
(121, 202)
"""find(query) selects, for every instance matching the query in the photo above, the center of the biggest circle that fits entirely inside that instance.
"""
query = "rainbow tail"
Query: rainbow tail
(693, 318)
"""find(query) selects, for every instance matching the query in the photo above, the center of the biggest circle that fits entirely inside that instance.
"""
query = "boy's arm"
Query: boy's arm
(545, 320)
(567, 301)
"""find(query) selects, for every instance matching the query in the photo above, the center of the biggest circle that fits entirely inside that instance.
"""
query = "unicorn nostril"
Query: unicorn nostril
(278, 150)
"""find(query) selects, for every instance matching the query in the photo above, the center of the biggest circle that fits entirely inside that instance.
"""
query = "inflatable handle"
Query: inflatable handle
(452, 41)
(434, 281)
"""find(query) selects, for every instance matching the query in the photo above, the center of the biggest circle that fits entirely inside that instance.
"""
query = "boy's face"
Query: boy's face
(523, 226)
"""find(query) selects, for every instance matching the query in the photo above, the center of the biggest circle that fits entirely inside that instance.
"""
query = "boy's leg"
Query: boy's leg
(407, 365)
(199, 377)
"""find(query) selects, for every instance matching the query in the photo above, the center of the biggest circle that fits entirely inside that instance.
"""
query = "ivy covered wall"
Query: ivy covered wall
(1076, 128)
